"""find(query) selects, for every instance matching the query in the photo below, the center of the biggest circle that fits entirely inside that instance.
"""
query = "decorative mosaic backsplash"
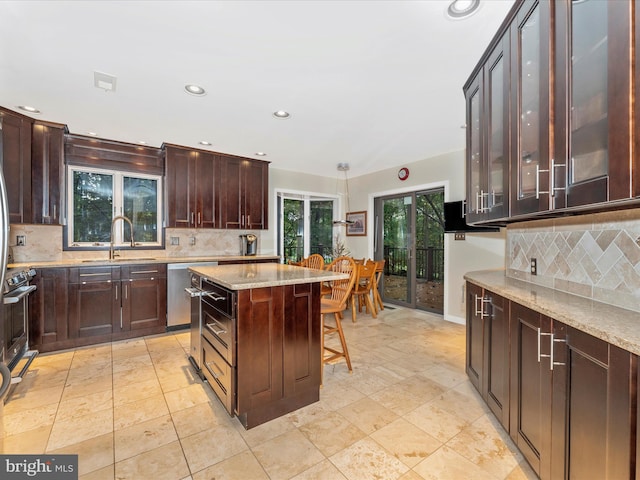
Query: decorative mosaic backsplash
(595, 256)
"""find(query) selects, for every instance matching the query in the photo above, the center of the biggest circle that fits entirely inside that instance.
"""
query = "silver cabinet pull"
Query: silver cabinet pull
(211, 326)
(551, 170)
(193, 218)
(214, 364)
(551, 360)
(142, 272)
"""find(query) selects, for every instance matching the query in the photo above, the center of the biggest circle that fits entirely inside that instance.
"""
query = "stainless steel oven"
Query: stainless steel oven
(16, 291)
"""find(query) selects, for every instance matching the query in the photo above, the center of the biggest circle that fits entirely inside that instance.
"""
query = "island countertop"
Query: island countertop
(259, 275)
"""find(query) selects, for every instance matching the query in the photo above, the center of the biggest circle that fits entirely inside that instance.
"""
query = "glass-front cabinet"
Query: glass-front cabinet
(593, 129)
(487, 97)
(531, 101)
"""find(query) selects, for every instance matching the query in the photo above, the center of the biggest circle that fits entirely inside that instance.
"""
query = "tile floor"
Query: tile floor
(133, 410)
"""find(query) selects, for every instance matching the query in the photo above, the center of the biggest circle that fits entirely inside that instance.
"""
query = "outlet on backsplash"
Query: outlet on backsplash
(534, 266)
(21, 240)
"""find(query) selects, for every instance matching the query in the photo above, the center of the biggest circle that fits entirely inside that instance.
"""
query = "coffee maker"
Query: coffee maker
(248, 244)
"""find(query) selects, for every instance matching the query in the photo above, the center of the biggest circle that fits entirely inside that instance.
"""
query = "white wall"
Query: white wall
(477, 252)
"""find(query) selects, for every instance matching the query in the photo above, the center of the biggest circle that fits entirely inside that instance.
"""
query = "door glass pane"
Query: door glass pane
(529, 155)
(496, 134)
(474, 146)
(321, 228)
(140, 204)
(396, 235)
(92, 206)
(430, 251)
(589, 66)
(293, 230)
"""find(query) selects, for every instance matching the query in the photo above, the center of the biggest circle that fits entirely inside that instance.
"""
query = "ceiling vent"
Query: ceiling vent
(104, 81)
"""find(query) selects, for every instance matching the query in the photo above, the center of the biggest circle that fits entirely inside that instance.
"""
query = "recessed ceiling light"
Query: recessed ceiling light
(93, 134)
(142, 142)
(29, 109)
(196, 90)
(281, 114)
(204, 142)
(261, 154)
(459, 9)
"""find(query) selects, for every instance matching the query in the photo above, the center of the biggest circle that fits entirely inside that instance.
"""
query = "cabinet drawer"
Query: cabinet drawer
(93, 274)
(220, 375)
(146, 270)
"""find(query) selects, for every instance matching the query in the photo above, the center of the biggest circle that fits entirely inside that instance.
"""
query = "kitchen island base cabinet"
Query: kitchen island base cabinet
(278, 351)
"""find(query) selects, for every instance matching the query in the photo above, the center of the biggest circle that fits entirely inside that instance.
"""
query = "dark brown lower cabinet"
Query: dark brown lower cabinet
(278, 351)
(572, 400)
(487, 361)
(144, 298)
(48, 309)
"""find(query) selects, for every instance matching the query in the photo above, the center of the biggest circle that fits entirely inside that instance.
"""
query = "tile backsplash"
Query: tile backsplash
(44, 243)
(595, 256)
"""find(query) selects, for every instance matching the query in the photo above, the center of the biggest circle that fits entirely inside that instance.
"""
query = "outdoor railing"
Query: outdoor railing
(429, 262)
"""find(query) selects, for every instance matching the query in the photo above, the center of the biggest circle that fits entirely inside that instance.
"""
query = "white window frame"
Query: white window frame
(118, 206)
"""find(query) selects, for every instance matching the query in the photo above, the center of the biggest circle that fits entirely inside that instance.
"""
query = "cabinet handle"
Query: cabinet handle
(209, 367)
(552, 175)
(242, 221)
(464, 209)
(210, 326)
(193, 217)
(93, 274)
(126, 291)
(551, 360)
(54, 212)
(139, 272)
(248, 220)
(116, 291)
(199, 220)
(480, 311)
(120, 318)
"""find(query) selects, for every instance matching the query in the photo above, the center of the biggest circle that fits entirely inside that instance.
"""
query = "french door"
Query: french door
(409, 236)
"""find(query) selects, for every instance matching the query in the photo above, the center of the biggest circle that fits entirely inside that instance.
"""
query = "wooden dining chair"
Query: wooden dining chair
(377, 299)
(315, 261)
(361, 293)
(340, 293)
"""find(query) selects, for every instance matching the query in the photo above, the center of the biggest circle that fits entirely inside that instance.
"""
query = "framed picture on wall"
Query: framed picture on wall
(359, 225)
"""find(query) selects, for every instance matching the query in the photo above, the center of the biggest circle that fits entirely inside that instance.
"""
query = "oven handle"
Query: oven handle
(213, 296)
(210, 326)
(8, 299)
(193, 292)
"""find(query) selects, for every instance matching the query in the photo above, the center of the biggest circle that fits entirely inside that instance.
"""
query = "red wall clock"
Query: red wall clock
(403, 173)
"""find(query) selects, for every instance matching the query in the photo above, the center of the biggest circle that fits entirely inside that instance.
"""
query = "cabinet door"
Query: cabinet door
(180, 178)
(144, 296)
(47, 171)
(94, 309)
(475, 167)
(530, 411)
(207, 173)
(475, 335)
(530, 104)
(16, 147)
(231, 193)
(495, 385)
(48, 309)
(593, 62)
(592, 407)
(256, 202)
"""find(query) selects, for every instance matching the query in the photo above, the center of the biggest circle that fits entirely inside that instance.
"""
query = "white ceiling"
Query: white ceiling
(376, 84)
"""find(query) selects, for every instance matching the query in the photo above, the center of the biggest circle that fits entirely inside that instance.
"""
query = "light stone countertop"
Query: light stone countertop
(259, 275)
(93, 261)
(615, 325)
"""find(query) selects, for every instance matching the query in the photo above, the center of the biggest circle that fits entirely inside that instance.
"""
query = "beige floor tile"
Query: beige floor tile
(88, 371)
(163, 463)
(486, 445)
(81, 388)
(411, 475)
(241, 466)
(212, 446)
(136, 391)
(145, 436)
(80, 428)
(93, 454)
(33, 441)
(470, 408)
(266, 431)
(131, 363)
(31, 419)
(445, 464)
(201, 417)
(131, 377)
(92, 353)
(287, 455)
(170, 380)
(446, 375)
(175, 356)
(523, 471)
(186, 397)
(162, 342)
(77, 406)
(105, 473)
(56, 360)
(324, 470)
(332, 433)
(406, 442)
(128, 348)
(309, 413)
(184, 339)
(28, 399)
(365, 460)
(334, 395)
(39, 379)
(368, 415)
(438, 423)
(128, 414)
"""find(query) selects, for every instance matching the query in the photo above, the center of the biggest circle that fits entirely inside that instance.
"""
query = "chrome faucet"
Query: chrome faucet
(113, 222)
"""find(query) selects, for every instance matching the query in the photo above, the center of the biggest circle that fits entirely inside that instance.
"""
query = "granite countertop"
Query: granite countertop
(259, 275)
(615, 325)
(86, 262)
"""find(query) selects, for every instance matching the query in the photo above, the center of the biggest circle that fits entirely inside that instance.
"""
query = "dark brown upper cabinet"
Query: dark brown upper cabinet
(192, 180)
(244, 199)
(16, 164)
(571, 111)
(47, 172)
(487, 98)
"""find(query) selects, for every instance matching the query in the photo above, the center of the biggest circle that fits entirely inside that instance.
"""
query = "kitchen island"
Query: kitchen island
(258, 338)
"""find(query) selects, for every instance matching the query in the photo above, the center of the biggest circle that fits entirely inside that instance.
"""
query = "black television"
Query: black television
(455, 221)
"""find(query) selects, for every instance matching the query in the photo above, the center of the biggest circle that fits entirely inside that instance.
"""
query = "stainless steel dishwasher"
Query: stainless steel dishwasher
(178, 302)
